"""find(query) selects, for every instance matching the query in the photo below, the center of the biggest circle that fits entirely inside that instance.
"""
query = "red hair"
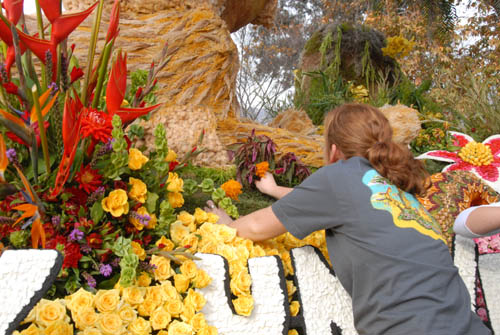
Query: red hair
(362, 130)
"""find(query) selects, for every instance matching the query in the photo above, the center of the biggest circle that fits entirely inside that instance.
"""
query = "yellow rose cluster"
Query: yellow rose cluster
(398, 47)
(170, 307)
(175, 186)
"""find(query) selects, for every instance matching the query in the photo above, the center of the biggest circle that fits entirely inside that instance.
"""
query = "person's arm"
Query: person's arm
(267, 185)
(478, 221)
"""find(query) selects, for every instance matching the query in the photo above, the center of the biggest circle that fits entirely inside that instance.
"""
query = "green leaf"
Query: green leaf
(81, 212)
(151, 202)
(96, 212)
(66, 196)
(109, 283)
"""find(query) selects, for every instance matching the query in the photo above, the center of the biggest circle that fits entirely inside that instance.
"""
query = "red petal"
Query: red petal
(65, 24)
(130, 114)
(444, 154)
(51, 8)
(494, 145)
(487, 172)
(40, 48)
(460, 140)
(115, 91)
(461, 166)
(5, 33)
(13, 9)
(114, 21)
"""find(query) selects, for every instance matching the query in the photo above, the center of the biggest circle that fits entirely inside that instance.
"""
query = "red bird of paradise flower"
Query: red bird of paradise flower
(115, 93)
(13, 10)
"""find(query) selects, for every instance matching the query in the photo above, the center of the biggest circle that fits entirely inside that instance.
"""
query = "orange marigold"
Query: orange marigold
(261, 169)
(232, 188)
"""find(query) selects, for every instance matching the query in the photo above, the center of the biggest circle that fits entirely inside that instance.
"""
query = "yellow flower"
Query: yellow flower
(32, 330)
(90, 331)
(160, 318)
(144, 279)
(174, 183)
(261, 169)
(202, 279)
(476, 154)
(293, 332)
(195, 299)
(187, 220)
(162, 332)
(208, 330)
(127, 313)
(179, 328)
(178, 231)
(212, 218)
(147, 307)
(136, 159)
(156, 293)
(59, 327)
(134, 295)
(175, 199)
(240, 283)
(139, 190)
(243, 305)
(171, 156)
(85, 317)
(49, 311)
(290, 288)
(181, 283)
(162, 270)
(116, 203)
(140, 326)
(397, 46)
(187, 313)
(174, 307)
(200, 215)
(138, 250)
(107, 300)
(30, 317)
(170, 291)
(165, 244)
(79, 299)
(198, 321)
(142, 211)
(225, 234)
(232, 189)
(294, 308)
(110, 324)
(190, 242)
(189, 269)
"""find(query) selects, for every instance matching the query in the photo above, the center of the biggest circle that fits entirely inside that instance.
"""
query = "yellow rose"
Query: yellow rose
(225, 233)
(160, 318)
(162, 332)
(190, 242)
(209, 247)
(257, 251)
(200, 215)
(186, 218)
(290, 288)
(110, 324)
(165, 244)
(242, 252)
(212, 218)
(156, 293)
(30, 318)
(198, 321)
(32, 330)
(116, 203)
(85, 317)
(237, 266)
(138, 250)
(107, 300)
(171, 156)
(134, 295)
(162, 269)
(202, 279)
(189, 269)
(136, 159)
(49, 311)
(152, 221)
(174, 307)
(243, 305)
(181, 283)
(240, 283)
(195, 299)
(208, 330)
(227, 252)
(144, 279)
(90, 331)
(79, 299)
(293, 332)
(287, 262)
(175, 199)
(170, 291)
(174, 183)
(294, 308)
(179, 328)
(188, 312)
(138, 191)
(147, 307)
(178, 231)
(127, 313)
(143, 212)
(59, 327)
(140, 326)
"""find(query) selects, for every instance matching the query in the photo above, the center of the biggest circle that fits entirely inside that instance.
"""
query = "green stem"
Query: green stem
(41, 34)
(92, 46)
(41, 128)
(102, 74)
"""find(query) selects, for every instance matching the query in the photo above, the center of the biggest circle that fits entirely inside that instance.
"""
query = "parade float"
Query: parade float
(102, 228)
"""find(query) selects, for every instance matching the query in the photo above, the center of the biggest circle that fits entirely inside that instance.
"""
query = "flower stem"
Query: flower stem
(41, 34)
(102, 74)
(41, 128)
(92, 46)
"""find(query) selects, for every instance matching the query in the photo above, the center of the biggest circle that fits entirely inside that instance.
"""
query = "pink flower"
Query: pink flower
(486, 169)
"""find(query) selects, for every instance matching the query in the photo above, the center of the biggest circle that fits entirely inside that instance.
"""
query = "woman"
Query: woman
(386, 250)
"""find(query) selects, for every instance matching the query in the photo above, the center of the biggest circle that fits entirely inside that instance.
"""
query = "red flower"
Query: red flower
(94, 240)
(96, 124)
(72, 255)
(120, 184)
(54, 242)
(10, 87)
(172, 165)
(76, 73)
(105, 256)
(88, 179)
(114, 21)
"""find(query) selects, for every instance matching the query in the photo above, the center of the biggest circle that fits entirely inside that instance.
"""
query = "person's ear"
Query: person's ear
(333, 152)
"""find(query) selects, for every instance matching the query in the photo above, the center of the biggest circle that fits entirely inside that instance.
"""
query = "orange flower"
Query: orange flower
(232, 189)
(261, 169)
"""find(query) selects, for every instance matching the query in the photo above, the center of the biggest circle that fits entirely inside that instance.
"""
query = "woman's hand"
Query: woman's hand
(267, 184)
(224, 218)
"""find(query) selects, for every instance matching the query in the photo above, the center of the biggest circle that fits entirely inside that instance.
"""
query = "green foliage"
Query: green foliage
(139, 78)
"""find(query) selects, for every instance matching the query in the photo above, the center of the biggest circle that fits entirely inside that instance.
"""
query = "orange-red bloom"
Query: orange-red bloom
(232, 189)
(261, 169)
(88, 179)
(96, 124)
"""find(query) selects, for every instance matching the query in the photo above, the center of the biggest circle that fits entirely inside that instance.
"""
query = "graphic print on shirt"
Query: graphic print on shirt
(406, 211)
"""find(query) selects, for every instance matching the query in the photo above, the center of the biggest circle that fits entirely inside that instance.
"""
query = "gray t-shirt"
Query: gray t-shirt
(385, 248)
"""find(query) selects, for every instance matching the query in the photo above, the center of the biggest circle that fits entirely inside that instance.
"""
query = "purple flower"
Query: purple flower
(115, 263)
(86, 249)
(56, 221)
(76, 235)
(90, 280)
(143, 219)
(105, 270)
(96, 195)
(12, 155)
(54, 87)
